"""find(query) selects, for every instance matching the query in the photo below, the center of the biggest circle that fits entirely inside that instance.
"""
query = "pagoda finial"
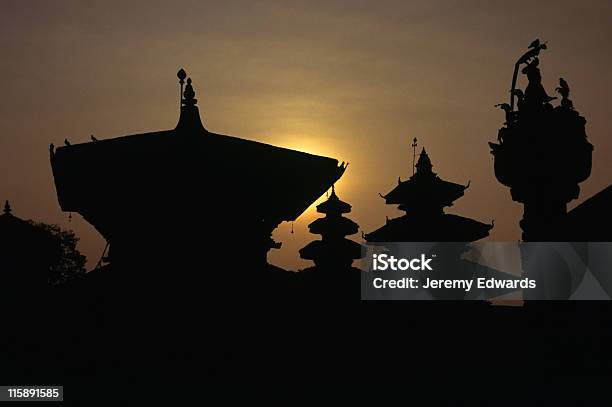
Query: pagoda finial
(190, 116)
(424, 164)
(7, 207)
(181, 74)
(189, 95)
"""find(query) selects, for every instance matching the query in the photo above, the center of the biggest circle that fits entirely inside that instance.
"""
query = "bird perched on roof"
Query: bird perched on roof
(67, 142)
(93, 138)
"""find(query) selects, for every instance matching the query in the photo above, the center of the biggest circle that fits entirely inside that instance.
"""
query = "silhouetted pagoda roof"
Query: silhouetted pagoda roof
(423, 198)
(81, 169)
(441, 228)
(424, 189)
(334, 251)
(333, 205)
(333, 224)
(11, 224)
(188, 164)
(339, 225)
(591, 220)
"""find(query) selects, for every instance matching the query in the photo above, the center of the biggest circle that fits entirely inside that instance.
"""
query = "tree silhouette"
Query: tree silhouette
(68, 262)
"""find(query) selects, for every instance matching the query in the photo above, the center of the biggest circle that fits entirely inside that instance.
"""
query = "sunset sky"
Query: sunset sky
(352, 80)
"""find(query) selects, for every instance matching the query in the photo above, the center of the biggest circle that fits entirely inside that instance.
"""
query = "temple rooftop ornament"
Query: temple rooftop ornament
(190, 114)
(424, 191)
(333, 205)
(181, 74)
(333, 275)
(423, 197)
(334, 251)
(542, 152)
(155, 197)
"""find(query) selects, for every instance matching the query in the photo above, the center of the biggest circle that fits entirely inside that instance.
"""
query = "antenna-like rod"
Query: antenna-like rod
(181, 74)
(414, 146)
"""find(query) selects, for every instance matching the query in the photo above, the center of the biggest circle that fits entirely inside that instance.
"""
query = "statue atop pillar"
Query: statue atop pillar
(542, 152)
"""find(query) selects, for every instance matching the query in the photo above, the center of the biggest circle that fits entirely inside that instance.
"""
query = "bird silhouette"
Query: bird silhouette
(67, 142)
(563, 88)
(93, 138)
(535, 43)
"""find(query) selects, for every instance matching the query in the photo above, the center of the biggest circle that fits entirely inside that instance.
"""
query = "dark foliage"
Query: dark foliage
(68, 262)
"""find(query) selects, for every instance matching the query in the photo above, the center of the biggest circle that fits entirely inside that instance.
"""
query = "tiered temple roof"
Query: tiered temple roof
(423, 197)
(161, 198)
(333, 251)
(424, 191)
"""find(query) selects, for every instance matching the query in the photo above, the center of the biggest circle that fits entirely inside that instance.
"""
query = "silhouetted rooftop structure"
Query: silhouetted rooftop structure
(542, 152)
(163, 198)
(333, 277)
(333, 251)
(591, 221)
(424, 191)
(423, 197)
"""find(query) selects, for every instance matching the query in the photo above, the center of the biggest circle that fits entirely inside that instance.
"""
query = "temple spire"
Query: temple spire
(424, 166)
(333, 252)
(423, 198)
(189, 120)
(189, 95)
